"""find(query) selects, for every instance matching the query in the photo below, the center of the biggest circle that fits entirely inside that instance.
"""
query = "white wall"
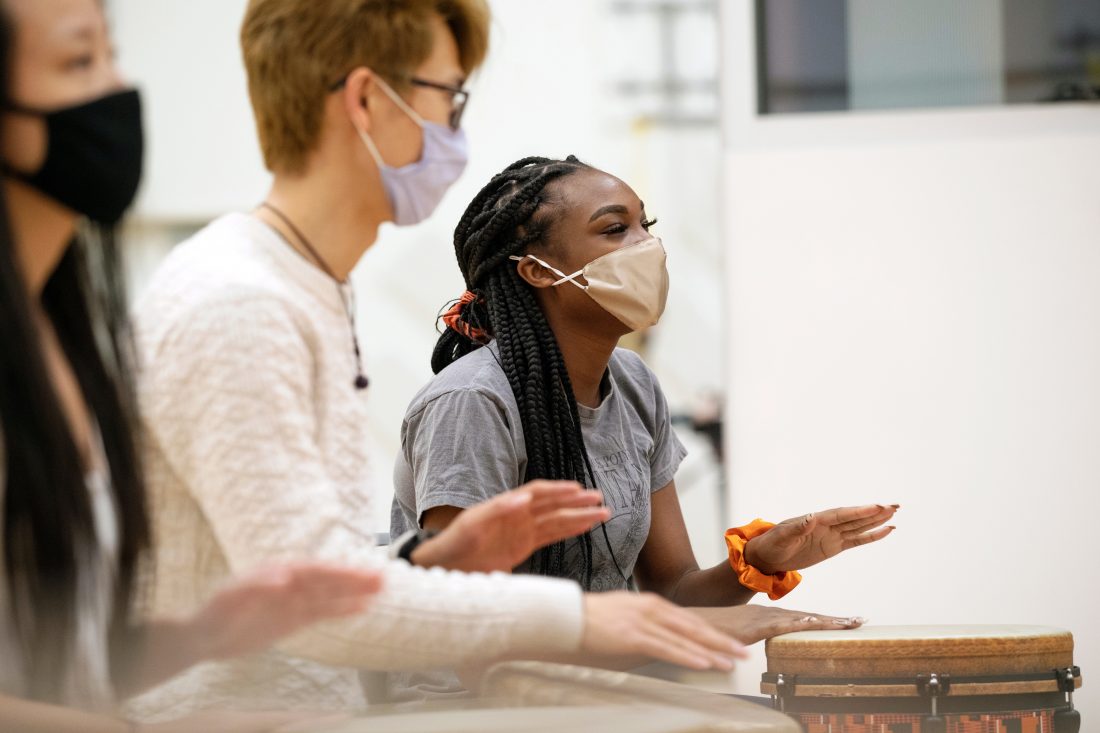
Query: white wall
(202, 157)
(914, 317)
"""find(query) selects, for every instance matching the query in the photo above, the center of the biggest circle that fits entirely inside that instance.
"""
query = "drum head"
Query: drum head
(903, 651)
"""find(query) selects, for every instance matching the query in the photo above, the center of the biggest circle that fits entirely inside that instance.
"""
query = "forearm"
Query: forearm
(34, 717)
(431, 618)
(443, 551)
(157, 651)
(667, 564)
(717, 586)
(437, 553)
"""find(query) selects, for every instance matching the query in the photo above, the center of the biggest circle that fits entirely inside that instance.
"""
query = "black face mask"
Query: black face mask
(93, 155)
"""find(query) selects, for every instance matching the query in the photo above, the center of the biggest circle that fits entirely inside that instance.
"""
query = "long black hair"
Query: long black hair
(511, 216)
(49, 537)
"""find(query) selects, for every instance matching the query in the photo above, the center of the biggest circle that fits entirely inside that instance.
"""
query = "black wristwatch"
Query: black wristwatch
(402, 548)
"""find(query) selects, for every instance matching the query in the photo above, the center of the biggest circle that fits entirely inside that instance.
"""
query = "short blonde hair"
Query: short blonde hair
(294, 50)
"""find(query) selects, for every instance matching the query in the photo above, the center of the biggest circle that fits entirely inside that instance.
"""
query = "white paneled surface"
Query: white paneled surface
(915, 317)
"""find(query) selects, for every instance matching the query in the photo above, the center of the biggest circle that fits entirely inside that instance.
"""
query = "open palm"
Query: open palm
(501, 533)
(255, 611)
(803, 541)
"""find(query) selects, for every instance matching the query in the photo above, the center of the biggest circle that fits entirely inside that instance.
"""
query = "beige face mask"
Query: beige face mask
(630, 283)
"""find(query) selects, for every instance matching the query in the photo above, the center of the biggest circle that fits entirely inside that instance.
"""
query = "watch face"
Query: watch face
(397, 545)
(403, 547)
(409, 545)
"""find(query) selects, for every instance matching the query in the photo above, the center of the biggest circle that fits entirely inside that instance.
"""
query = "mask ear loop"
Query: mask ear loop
(401, 105)
(372, 149)
(564, 278)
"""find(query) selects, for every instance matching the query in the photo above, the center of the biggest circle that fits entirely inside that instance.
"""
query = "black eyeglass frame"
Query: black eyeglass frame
(459, 97)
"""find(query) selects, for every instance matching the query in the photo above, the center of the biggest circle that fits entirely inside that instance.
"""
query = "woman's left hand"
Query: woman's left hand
(255, 611)
(752, 623)
(803, 541)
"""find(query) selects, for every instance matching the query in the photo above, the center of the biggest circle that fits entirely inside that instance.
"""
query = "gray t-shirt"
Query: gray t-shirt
(462, 443)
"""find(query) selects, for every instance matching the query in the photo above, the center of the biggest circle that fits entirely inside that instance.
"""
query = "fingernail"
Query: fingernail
(857, 620)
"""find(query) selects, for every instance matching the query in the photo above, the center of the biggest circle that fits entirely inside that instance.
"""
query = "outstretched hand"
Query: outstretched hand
(626, 624)
(752, 623)
(255, 611)
(502, 532)
(803, 541)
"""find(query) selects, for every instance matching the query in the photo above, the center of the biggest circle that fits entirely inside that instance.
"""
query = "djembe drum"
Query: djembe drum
(926, 679)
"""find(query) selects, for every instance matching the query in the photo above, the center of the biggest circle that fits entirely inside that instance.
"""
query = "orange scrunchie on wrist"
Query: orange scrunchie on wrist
(777, 585)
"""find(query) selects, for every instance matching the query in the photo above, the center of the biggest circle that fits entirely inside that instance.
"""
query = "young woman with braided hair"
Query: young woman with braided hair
(529, 384)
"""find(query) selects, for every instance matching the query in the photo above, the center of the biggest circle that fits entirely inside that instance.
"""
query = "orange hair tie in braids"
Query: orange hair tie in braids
(453, 318)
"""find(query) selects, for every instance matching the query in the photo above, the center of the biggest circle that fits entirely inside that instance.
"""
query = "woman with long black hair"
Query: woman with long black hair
(74, 526)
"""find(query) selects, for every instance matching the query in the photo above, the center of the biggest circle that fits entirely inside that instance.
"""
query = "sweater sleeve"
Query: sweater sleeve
(228, 395)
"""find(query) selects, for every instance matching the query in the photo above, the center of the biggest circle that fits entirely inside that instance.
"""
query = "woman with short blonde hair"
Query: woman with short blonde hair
(254, 394)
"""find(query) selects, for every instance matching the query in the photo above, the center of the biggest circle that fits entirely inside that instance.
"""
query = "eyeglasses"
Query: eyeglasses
(459, 97)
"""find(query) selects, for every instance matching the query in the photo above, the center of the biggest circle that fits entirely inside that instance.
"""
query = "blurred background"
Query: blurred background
(883, 226)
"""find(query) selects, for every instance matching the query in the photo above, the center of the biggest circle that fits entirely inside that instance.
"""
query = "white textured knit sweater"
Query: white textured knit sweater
(256, 452)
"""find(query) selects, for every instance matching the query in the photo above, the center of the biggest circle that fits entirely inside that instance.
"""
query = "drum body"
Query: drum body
(926, 679)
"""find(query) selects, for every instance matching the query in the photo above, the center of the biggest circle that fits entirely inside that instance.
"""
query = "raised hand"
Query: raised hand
(502, 532)
(256, 610)
(807, 540)
(750, 624)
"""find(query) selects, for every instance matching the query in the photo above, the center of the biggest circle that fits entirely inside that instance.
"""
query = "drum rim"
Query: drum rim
(809, 687)
(804, 645)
